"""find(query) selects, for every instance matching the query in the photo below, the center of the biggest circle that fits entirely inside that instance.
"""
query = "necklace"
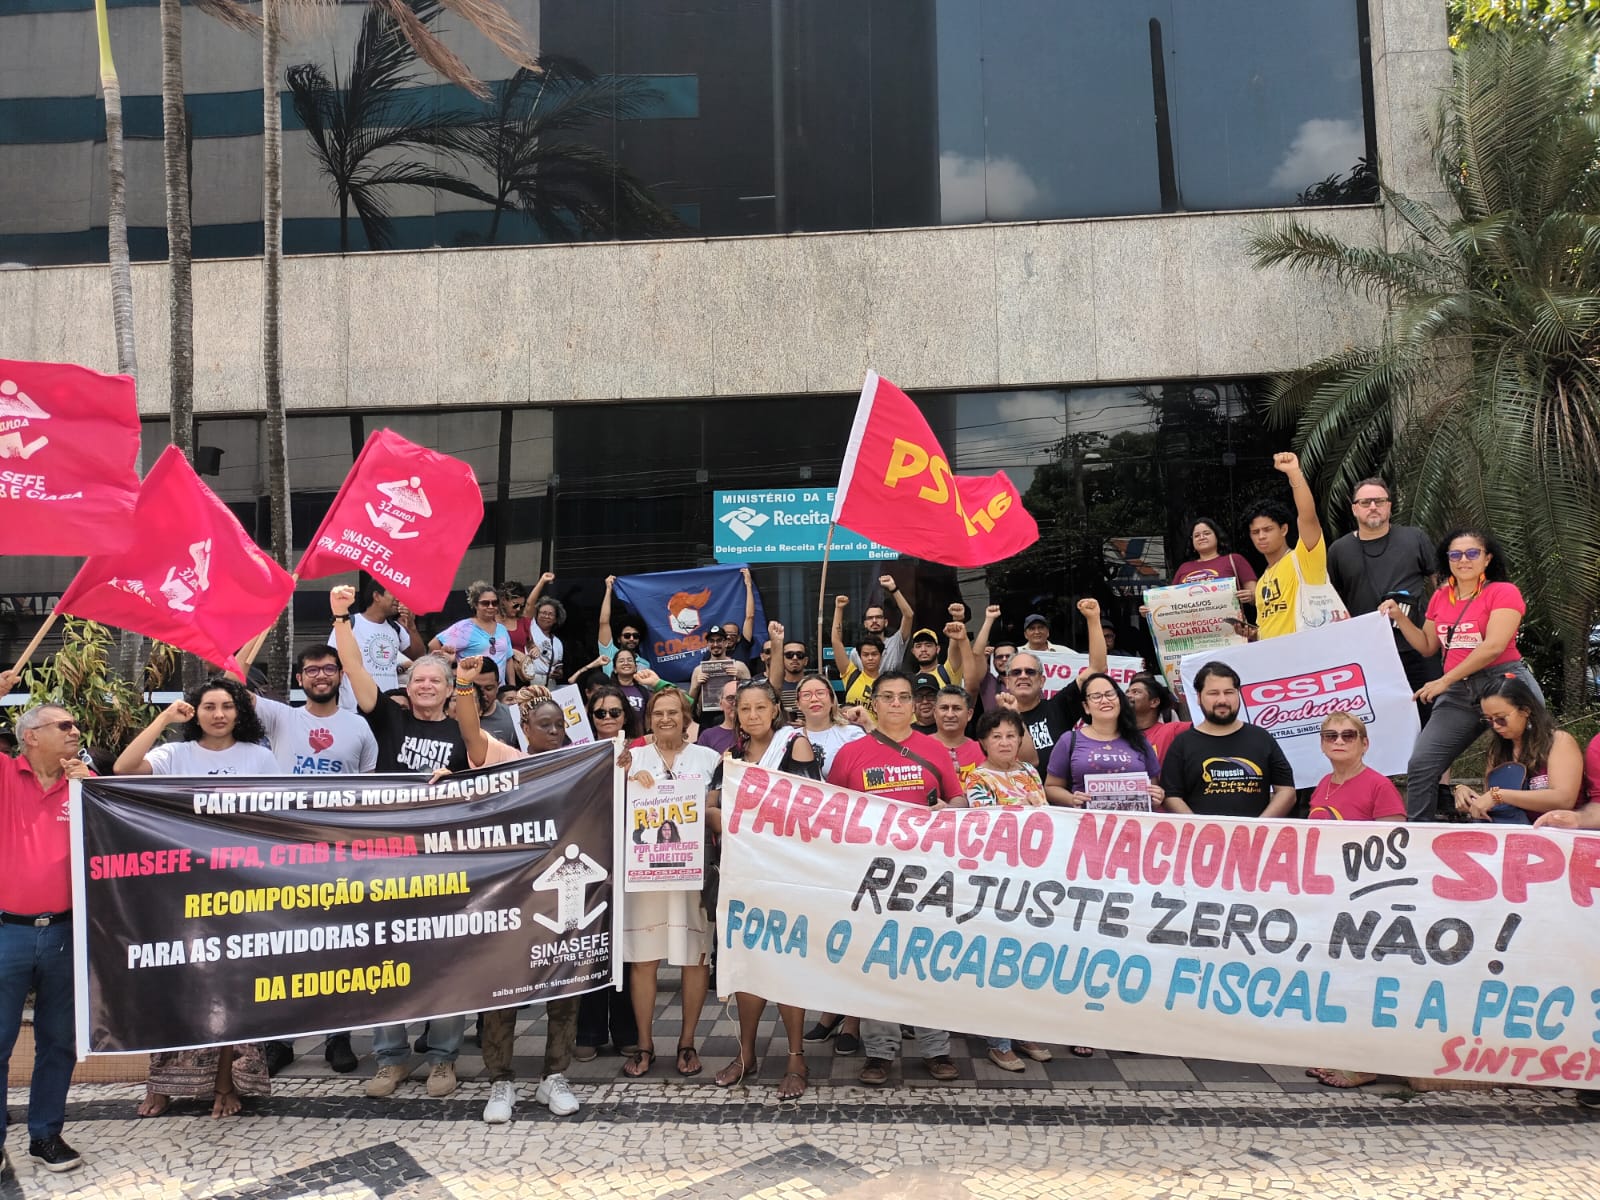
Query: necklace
(1362, 542)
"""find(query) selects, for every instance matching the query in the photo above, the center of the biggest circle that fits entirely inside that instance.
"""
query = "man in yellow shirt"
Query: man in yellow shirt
(1278, 589)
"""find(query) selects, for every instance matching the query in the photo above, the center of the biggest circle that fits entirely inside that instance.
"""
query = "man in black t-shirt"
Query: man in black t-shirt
(1225, 767)
(1048, 717)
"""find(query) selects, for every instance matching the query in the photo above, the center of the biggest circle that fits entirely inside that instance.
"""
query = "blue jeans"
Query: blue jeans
(392, 1047)
(40, 959)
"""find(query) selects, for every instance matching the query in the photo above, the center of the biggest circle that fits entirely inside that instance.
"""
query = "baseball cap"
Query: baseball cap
(924, 635)
(926, 682)
(717, 631)
(1034, 619)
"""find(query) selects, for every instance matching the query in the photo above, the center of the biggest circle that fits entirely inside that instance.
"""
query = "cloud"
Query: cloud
(972, 190)
(1320, 148)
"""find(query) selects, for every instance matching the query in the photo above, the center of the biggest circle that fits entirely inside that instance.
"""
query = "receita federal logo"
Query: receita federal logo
(743, 522)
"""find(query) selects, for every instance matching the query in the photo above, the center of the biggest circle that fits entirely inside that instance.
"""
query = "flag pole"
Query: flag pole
(822, 598)
(49, 623)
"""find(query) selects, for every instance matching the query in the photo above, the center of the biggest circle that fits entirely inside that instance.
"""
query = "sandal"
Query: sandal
(788, 1091)
(639, 1063)
(155, 1103)
(733, 1074)
(1082, 1051)
(689, 1061)
(227, 1104)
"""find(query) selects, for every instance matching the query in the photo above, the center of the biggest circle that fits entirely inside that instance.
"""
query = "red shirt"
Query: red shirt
(1364, 797)
(1225, 566)
(1160, 736)
(1470, 620)
(35, 842)
(964, 758)
(868, 765)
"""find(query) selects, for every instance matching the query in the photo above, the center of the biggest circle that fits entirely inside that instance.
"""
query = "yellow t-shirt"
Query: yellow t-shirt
(1278, 589)
(857, 686)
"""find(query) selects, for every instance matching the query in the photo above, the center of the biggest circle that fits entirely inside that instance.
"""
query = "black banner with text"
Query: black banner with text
(231, 909)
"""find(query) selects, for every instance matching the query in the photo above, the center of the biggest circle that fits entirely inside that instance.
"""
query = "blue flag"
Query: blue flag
(677, 608)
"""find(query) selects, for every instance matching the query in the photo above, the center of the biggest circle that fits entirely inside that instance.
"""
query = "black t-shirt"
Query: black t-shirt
(1228, 776)
(1052, 717)
(1402, 560)
(408, 744)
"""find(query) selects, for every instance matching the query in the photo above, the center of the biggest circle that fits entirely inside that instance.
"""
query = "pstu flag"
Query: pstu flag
(896, 487)
(677, 607)
(190, 575)
(69, 458)
(405, 515)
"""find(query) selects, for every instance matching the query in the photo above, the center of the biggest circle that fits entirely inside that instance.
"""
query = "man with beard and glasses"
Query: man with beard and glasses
(1225, 767)
(319, 738)
(876, 624)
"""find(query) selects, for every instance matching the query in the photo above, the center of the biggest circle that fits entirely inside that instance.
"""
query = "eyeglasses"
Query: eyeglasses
(1471, 554)
(1341, 735)
(606, 712)
(1372, 502)
(796, 654)
(1025, 672)
(1102, 697)
(892, 698)
(313, 672)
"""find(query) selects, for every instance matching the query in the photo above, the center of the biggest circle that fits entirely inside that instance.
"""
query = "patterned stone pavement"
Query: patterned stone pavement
(1112, 1126)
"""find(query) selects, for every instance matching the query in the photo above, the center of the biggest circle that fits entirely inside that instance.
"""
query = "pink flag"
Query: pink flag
(405, 515)
(190, 575)
(69, 458)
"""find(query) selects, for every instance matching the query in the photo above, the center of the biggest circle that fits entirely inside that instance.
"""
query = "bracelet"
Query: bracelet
(1494, 794)
(464, 686)
(341, 616)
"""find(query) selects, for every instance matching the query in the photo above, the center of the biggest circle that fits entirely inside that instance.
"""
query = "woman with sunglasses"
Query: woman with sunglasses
(1474, 619)
(513, 605)
(481, 633)
(1533, 767)
(764, 739)
(1350, 791)
(610, 713)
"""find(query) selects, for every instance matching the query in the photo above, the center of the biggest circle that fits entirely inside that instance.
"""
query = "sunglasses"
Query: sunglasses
(1025, 672)
(796, 654)
(1499, 722)
(488, 603)
(1471, 554)
(1341, 735)
(1372, 502)
(63, 726)
(606, 712)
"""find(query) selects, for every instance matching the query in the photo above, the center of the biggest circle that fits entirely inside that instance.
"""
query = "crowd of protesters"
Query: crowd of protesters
(927, 715)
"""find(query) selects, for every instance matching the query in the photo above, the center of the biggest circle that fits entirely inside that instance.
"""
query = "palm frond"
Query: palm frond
(231, 13)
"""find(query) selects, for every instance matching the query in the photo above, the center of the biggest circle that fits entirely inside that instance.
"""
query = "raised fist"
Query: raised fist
(1286, 461)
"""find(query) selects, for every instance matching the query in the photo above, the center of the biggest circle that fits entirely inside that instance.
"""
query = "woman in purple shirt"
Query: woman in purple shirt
(1108, 742)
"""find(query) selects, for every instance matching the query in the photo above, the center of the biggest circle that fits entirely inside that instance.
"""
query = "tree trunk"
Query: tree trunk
(1575, 669)
(277, 650)
(181, 294)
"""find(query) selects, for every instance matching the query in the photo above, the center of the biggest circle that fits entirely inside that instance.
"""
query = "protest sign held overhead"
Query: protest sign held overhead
(678, 607)
(1257, 940)
(189, 575)
(69, 459)
(405, 515)
(280, 906)
(1192, 618)
(1289, 684)
(896, 487)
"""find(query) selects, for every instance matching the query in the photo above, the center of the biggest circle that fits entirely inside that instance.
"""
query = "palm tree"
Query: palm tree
(357, 125)
(1483, 399)
(530, 142)
(116, 202)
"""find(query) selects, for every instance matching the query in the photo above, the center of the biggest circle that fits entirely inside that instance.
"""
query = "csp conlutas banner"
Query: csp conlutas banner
(231, 909)
(1416, 950)
(1289, 684)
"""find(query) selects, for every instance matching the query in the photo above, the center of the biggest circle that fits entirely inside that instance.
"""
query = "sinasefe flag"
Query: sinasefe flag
(896, 487)
(69, 458)
(405, 515)
(190, 575)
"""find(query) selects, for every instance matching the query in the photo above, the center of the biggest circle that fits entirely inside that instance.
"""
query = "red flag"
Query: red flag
(405, 515)
(896, 488)
(69, 459)
(191, 576)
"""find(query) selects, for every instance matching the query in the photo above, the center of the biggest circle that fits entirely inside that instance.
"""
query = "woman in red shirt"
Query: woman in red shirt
(1474, 619)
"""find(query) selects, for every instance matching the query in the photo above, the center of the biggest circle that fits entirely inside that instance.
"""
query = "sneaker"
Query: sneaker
(442, 1079)
(339, 1055)
(53, 1154)
(585, 1053)
(1006, 1060)
(1034, 1051)
(387, 1079)
(875, 1072)
(821, 1033)
(941, 1068)
(1589, 1099)
(555, 1095)
(847, 1045)
(278, 1055)
(502, 1097)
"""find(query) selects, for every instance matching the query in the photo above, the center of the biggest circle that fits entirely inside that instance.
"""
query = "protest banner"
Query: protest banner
(896, 488)
(221, 910)
(573, 713)
(72, 438)
(188, 575)
(1061, 667)
(1371, 947)
(405, 515)
(666, 843)
(677, 607)
(1192, 618)
(1288, 684)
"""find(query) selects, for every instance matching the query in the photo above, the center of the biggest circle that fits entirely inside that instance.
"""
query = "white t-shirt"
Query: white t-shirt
(544, 660)
(894, 653)
(191, 758)
(304, 744)
(831, 740)
(382, 652)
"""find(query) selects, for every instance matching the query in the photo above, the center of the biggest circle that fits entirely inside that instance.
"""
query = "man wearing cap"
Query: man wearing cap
(1036, 630)
(925, 688)
(925, 652)
(705, 688)
(36, 918)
